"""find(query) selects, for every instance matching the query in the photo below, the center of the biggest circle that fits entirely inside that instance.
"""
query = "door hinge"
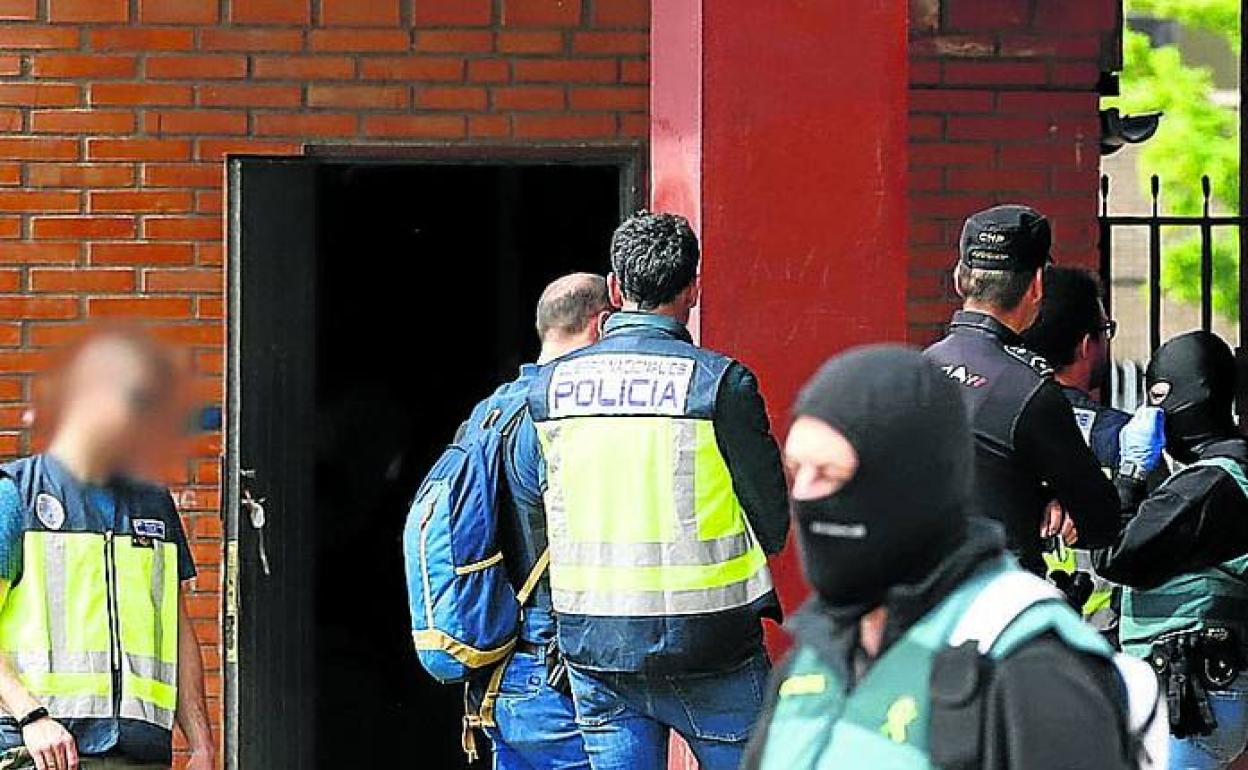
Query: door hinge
(230, 630)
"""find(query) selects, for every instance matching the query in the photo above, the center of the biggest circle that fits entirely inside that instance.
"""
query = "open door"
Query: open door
(268, 479)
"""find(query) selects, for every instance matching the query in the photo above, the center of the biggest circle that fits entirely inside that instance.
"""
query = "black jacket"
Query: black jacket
(1028, 447)
(1199, 519)
(1047, 706)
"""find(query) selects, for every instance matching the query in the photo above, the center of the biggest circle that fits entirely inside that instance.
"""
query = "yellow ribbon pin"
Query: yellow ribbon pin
(901, 715)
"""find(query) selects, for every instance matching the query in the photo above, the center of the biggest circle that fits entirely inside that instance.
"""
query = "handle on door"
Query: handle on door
(258, 518)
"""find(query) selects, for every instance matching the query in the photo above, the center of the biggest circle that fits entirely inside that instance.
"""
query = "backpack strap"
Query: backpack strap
(1002, 601)
(1231, 467)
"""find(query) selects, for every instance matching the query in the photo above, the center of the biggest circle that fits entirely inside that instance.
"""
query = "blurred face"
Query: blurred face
(1098, 347)
(112, 399)
(819, 459)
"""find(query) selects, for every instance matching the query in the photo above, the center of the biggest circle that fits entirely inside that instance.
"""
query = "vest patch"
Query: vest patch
(620, 384)
(803, 684)
(1085, 418)
(963, 376)
(49, 511)
(149, 528)
(900, 716)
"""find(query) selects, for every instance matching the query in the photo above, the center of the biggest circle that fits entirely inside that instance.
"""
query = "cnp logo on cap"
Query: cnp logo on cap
(1014, 238)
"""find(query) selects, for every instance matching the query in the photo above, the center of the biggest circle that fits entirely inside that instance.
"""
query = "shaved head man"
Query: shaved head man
(570, 313)
(101, 684)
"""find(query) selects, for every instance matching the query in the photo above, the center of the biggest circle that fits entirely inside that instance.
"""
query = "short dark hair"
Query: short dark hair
(654, 257)
(571, 303)
(1003, 289)
(1071, 309)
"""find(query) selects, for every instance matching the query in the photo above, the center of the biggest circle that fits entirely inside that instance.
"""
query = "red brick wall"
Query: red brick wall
(115, 116)
(1003, 109)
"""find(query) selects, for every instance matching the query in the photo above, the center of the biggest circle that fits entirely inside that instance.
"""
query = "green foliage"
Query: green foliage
(1196, 138)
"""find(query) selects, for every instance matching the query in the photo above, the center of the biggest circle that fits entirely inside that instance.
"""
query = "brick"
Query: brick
(453, 13)
(565, 70)
(19, 10)
(1019, 155)
(1006, 180)
(988, 15)
(38, 201)
(622, 13)
(182, 175)
(11, 337)
(10, 175)
(609, 98)
(305, 125)
(363, 40)
(227, 95)
(82, 280)
(541, 13)
(270, 11)
(1051, 46)
(182, 228)
(530, 126)
(199, 281)
(611, 42)
(210, 308)
(924, 71)
(636, 125)
(29, 252)
(363, 97)
(1081, 76)
(81, 121)
(138, 149)
(227, 39)
(530, 42)
(413, 68)
(926, 127)
(178, 12)
(414, 126)
(31, 37)
(195, 67)
(489, 71)
(80, 175)
(954, 46)
(10, 227)
(139, 94)
(1048, 103)
(22, 308)
(37, 148)
(136, 307)
(529, 98)
(65, 228)
(459, 98)
(950, 101)
(635, 71)
(303, 67)
(217, 149)
(995, 73)
(1073, 16)
(210, 254)
(488, 126)
(195, 122)
(948, 154)
(465, 41)
(353, 13)
(143, 39)
(142, 253)
(94, 66)
(10, 121)
(139, 201)
(997, 128)
(40, 94)
(92, 11)
(10, 64)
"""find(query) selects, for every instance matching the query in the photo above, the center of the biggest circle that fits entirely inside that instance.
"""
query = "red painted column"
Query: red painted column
(779, 129)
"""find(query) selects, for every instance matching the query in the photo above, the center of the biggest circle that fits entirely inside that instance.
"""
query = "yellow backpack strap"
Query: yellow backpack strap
(484, 716)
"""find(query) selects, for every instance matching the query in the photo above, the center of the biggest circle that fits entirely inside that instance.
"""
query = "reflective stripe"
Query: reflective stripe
(663, 603)
(684, 478)
(477, 566)
(158, 606)
(147, 711)
(627, 555)
(56, 577)
(150, 668)
(78, 706)
(33, 662)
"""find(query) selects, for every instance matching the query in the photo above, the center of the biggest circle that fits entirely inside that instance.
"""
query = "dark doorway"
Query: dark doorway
(415, 301)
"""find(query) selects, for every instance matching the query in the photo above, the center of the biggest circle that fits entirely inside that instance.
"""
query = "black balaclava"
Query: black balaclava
(904, 510)
(1192, 379)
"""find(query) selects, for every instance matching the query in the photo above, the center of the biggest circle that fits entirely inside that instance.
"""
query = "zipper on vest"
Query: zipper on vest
(114, 622)
(424, 564)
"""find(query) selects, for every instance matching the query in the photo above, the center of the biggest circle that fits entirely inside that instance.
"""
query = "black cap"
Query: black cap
(1015, 238)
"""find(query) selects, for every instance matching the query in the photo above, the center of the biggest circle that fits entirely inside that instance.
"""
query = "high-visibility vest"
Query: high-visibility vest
(643, 520)
(91, 624)
(1193, 601)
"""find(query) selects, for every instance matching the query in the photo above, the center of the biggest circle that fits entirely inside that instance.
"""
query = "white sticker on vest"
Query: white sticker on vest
(616, 384)
(1085, 418)
(149, 528)
(49, 510)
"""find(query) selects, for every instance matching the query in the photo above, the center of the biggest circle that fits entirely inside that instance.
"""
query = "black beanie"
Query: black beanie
(1192, 379)
(905, 508)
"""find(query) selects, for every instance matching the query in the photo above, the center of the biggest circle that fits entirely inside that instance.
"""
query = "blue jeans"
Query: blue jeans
(625, 718)
(1228, 741)
(536, 723)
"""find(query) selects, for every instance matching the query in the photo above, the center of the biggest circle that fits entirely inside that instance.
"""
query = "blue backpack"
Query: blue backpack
(465, 611)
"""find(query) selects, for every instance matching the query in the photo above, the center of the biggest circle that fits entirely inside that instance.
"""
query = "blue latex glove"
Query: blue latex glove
(1143, 437)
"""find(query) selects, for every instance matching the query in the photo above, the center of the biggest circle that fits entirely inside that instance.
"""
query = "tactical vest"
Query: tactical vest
(1192, 601)
(883, 723)
(91, 625)
(642, 517)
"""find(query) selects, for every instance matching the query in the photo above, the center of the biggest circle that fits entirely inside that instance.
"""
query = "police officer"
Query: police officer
(534, 727)
(664, 495)
(1028, 448)
(98, 657)
(1184, 555)
(924, 645)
